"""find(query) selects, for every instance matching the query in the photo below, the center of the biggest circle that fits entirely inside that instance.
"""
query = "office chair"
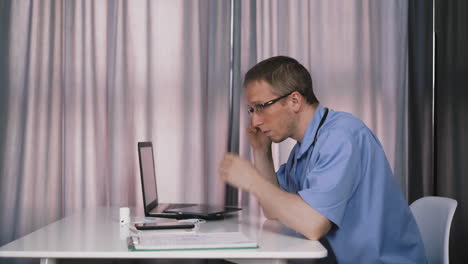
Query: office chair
(434, 217)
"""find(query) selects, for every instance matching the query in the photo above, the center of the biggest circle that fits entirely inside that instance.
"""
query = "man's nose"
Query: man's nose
(256, 120)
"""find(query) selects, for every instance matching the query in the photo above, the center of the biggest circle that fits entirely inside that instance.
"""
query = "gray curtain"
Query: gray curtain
(356, 52)
(451, 117)
(83, 81)
(420, 100)
(438, 118)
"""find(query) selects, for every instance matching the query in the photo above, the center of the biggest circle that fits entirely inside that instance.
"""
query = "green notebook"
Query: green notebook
(191, 241)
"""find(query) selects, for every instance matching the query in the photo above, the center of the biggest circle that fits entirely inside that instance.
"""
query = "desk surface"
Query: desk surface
(96, 233)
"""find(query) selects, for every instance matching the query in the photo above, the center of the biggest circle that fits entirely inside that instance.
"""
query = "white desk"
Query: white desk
(96, 234)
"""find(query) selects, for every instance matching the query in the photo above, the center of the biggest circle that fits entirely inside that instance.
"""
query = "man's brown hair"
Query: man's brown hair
(285, 75)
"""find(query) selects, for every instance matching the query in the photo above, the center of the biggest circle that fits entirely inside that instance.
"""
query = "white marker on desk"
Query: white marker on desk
(124, 215)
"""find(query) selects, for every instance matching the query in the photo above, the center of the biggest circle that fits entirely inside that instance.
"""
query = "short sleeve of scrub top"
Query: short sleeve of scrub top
(333, 174)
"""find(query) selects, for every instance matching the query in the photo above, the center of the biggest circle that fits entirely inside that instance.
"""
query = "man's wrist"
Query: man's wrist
(264, 148)
(256, 182)
(262, 151)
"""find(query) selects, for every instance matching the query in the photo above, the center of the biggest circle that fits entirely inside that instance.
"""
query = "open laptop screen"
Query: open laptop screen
(148, 175)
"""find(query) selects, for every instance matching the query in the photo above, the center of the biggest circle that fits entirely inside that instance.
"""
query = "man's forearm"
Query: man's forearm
(291, 210)
(263, 161)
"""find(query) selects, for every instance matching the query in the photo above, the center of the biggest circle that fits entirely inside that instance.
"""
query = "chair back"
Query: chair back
(434, 217)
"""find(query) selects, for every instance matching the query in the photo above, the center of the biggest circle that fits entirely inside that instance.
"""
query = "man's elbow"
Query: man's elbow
(314, 235)
(319, 231)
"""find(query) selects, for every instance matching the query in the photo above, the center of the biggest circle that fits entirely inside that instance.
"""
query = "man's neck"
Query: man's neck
(304, 119)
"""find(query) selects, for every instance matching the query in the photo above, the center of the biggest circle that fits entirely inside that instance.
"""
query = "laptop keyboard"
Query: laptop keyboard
(175, 206)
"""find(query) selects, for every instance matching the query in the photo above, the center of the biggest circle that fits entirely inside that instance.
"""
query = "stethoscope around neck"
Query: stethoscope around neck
(291, 180)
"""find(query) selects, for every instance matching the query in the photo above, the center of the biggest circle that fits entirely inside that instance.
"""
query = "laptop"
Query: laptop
(152, 207)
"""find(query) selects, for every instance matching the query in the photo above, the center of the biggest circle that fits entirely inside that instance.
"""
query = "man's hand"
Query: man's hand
(238, 172)
(257, 139)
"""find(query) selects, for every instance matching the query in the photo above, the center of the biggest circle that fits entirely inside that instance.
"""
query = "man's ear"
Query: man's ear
(297, 101)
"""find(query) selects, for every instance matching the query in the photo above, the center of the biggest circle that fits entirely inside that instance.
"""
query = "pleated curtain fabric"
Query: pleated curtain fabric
(83, 81)
(451, 117)
(357, 54)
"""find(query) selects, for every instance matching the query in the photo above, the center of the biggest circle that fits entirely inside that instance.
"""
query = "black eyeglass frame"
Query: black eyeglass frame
(256, 107)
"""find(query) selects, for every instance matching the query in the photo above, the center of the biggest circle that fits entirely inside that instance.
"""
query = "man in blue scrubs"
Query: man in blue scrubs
(337, 183)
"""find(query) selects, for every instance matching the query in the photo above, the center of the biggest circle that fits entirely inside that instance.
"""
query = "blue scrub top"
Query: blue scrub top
(346, 177)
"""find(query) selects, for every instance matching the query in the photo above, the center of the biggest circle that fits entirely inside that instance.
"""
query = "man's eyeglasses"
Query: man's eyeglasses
(259, 108)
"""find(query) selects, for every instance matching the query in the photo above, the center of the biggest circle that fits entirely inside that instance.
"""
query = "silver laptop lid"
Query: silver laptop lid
(148, 175)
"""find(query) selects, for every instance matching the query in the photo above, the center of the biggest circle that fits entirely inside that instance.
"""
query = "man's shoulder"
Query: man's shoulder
(343, 122)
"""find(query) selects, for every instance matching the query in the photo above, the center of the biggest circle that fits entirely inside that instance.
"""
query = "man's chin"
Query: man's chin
(277, 139)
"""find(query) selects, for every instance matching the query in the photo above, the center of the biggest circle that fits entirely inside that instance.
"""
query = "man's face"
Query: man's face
(276, 121)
